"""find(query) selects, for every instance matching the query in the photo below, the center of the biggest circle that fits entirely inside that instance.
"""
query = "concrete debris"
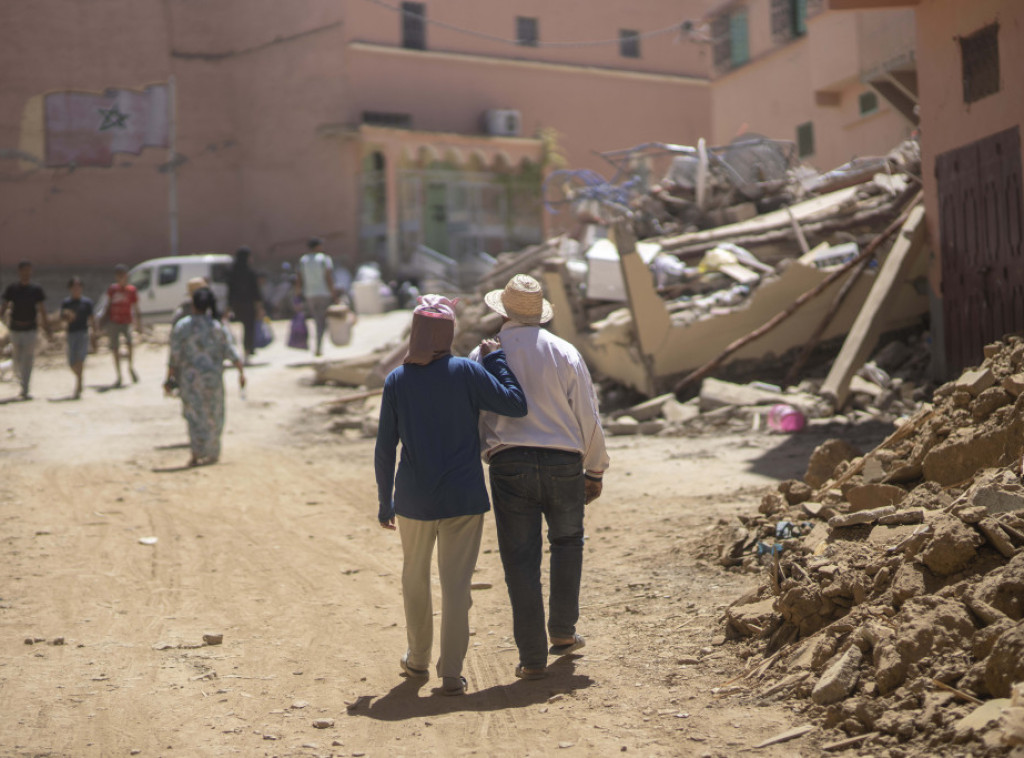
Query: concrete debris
(646, 305)
(650, 296)
(825, 458)
(906, 601)
(839, 678)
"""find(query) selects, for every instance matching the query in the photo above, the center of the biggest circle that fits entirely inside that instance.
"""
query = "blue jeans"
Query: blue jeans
(528, 484)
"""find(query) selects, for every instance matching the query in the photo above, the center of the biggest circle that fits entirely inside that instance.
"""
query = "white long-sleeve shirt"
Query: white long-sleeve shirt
(562, 405)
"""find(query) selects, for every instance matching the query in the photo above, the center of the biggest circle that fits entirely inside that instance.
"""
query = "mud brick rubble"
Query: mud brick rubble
(891, 605)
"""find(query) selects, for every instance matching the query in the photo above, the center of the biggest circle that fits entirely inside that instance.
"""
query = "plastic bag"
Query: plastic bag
(339, 324)
(785, 418)
(298, 332)
(264, 333)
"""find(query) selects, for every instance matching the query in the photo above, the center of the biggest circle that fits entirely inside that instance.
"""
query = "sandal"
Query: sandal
(526, 673)
(569, 647)
(454, 685)
(410, 671)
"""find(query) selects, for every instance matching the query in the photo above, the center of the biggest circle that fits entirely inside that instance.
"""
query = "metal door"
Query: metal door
(981, 210)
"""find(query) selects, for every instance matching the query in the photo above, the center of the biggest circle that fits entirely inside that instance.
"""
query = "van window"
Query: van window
(219, 273)
(141, 278)
(167, 275)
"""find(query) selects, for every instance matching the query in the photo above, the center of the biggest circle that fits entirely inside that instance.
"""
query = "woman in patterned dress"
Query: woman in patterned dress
(199, 346)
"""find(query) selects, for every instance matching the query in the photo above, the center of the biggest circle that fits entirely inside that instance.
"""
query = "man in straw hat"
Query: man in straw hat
(432, 403)
(545, 466)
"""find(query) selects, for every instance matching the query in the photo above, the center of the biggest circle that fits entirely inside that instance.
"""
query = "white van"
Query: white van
(162, 283)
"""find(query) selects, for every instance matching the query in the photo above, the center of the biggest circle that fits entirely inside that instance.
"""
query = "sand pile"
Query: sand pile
(893, 592)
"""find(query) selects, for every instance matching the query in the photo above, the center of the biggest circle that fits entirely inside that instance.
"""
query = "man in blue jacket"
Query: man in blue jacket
(432, 403)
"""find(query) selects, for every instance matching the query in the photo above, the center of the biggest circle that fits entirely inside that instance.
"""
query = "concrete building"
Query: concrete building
(384, 125)
(797, 70)
(969, 64)
(378, 125)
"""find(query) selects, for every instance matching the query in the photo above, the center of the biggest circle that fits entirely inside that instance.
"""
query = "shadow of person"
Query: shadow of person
(108, 387)
(172, 469)
(404, 701)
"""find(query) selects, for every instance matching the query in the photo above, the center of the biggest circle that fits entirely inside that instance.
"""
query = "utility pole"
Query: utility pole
(172, 163)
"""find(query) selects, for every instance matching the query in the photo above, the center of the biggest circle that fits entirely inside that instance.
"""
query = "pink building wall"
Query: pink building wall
(253, 170)
(270, 96)
(947, 122)
(265, 92)
(777, 89)
(568, 21)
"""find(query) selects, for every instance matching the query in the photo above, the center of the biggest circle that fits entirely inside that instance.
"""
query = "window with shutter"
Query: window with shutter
(782, 26)
(789, 19)
(867, 102)
(414, 26)
(805, 139)
(980, 63)
(721, 43)
(738, 38)
(629, 43)
(526, 31)
(799, 18)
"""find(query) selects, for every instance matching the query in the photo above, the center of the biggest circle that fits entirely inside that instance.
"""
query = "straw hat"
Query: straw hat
(521, 301)
(196, 282)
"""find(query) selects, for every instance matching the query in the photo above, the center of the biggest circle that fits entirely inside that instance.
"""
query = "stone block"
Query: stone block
(839, 678)
(995, 500)
(867, 496)
(976, 381)
(1014, 384)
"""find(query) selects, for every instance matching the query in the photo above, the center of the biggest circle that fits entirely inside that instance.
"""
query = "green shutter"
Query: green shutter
(738, 38)
(805, 139)
(799, 17)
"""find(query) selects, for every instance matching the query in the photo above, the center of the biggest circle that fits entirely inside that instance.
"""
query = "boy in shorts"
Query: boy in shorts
(77, 314)
(122, 309)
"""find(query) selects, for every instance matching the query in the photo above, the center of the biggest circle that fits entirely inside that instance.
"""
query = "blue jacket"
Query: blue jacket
(434, 410)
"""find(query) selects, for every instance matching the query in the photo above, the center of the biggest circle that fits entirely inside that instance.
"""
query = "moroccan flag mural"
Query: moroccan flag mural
(86, 129)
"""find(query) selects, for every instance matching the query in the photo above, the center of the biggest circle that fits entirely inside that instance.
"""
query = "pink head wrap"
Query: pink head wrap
(435, 306)
(433, 329)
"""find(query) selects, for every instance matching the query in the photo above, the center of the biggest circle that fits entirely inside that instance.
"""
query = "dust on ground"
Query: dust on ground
(277, 549)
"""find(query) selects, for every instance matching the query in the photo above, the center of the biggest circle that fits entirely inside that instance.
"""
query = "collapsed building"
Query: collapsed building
(891, 598)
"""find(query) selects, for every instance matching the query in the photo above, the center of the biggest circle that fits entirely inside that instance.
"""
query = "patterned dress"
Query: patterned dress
(199, 347)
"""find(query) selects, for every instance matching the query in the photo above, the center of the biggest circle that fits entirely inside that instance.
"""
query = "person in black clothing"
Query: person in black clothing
(244, 298)
(77, 313)
(23, 304)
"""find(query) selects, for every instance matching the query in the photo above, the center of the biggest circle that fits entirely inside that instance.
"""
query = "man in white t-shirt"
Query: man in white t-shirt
(316, 283)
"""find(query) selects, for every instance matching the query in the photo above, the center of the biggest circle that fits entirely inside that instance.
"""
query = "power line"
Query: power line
(683, 27)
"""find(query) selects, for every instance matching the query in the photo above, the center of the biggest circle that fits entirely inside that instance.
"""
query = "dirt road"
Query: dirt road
(277, 549)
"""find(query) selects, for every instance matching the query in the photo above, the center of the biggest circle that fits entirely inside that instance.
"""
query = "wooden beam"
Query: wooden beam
(867, 327)
(823, 285)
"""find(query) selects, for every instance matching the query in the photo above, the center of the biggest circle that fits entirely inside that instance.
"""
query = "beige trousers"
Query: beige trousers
(458, 544)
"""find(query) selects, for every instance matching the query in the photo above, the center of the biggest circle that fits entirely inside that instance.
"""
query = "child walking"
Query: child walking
(78, 314)
(79, 319)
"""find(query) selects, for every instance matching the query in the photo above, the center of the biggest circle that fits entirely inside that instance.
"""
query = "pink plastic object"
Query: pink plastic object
(786, 418)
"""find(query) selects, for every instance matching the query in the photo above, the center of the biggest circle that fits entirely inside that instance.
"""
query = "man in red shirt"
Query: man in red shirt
(122, 309)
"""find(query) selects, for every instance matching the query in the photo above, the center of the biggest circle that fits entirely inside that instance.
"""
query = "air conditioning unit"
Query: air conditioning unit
(499, 122)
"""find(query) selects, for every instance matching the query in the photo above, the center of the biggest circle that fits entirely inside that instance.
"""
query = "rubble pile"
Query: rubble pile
(893, 590)
(889, 387)
(756, 177)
